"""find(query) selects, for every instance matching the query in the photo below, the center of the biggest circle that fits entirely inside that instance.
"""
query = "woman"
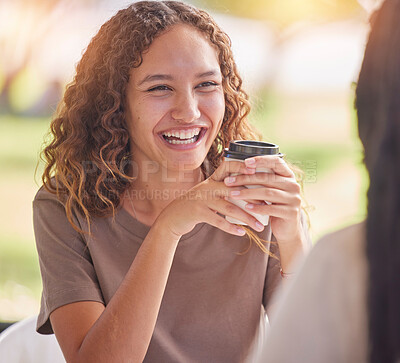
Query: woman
(137, 260)
(344, 304)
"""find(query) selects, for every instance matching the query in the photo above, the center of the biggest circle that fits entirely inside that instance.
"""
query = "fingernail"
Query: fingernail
(250, 170)
(259, 226)
(249, 206)
(241, 231)
(250, 161)
(230, 180)
(235, 192)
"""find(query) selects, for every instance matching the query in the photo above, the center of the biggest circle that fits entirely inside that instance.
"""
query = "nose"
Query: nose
(186, 108)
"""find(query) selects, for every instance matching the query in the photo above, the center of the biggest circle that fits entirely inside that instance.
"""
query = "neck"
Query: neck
(155, 187)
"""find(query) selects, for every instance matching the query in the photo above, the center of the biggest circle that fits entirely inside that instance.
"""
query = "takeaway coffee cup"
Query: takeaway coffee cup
(240, 150)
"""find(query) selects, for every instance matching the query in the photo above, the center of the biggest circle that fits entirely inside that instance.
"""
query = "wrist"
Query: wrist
(295, 239)
(291, 251)
(287, 275)
(297, 242)
(162, 225)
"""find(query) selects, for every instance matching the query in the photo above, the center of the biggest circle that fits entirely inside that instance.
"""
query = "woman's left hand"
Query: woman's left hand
(279, 187)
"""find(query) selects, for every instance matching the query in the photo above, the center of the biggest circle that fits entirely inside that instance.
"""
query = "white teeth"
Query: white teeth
(183, 134)
(182, 142)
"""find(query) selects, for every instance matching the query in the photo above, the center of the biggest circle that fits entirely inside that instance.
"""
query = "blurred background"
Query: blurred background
(299, 60)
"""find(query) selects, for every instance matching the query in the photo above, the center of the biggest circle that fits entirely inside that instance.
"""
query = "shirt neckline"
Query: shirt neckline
(132, 225)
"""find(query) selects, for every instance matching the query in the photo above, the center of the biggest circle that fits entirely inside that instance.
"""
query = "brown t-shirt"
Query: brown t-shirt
(211, 306)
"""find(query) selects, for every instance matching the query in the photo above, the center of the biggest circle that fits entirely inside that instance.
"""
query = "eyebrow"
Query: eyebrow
(167, 77)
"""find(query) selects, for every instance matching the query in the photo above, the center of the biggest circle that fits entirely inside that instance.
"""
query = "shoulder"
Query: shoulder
(313, 311)
(44, 194)
(355, 232)
(341, 246)
(336, 261)
(49, 208)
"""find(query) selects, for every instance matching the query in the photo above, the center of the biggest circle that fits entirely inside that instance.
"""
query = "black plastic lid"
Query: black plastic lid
(243, 149)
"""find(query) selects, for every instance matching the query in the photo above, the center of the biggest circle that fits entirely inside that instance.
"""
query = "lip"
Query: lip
(202, 133)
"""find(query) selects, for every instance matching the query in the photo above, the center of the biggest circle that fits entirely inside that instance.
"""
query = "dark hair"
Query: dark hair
(378, 108)
(89, 144)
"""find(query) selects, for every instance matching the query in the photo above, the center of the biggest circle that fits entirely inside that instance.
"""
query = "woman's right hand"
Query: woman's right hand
(203, 202)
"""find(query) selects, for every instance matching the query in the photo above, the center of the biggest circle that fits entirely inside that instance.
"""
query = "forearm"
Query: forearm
(291, 251)
(123, 331)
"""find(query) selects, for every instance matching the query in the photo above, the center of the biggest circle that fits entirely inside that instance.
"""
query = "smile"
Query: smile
(189, 137)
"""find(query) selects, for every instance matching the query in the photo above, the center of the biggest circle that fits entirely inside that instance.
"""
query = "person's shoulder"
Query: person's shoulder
(344, 242)
(46, 194)
(43, 194)
(338, 254)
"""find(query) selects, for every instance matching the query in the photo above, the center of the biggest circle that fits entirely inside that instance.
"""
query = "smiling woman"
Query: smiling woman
(138, 261)
(177, 90)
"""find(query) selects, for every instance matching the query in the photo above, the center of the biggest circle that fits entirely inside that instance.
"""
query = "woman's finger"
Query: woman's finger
(229, 209)
(209, 191)
(275, 210)
(271, 180)
(231, 167)
(274, 163)
(271, 195)
(221, 223)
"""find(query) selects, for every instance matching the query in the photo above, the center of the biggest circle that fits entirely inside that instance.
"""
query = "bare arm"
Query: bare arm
(88, 332)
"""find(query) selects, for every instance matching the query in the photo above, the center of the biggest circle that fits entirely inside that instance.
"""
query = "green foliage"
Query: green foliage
(20, 283)
(19, 264)
(26, 89)
(20, 142)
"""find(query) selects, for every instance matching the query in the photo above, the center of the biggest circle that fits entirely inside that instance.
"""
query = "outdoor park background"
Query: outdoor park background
(298, 58)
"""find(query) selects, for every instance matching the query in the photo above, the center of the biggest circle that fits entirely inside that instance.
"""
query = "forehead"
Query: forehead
(182, 48)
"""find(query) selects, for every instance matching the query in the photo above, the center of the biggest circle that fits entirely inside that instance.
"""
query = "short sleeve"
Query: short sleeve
(66, 267)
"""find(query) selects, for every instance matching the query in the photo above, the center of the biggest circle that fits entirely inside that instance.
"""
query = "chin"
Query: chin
(185, 165)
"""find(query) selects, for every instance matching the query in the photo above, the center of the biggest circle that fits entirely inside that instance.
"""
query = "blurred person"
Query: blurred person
(344, 305)
(137, 260)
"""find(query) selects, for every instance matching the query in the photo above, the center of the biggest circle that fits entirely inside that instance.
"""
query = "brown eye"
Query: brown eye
(159, 88)
(207, 84)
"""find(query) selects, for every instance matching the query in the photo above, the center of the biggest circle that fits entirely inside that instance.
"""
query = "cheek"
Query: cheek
(145, 115)
(153, 106)
(215, 112)
(215, 108)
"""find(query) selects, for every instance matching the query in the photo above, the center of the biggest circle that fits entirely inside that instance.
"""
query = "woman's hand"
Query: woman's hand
(279, 188)
(203, 202)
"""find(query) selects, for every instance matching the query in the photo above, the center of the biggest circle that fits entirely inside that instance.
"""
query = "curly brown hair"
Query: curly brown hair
(85, 161)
